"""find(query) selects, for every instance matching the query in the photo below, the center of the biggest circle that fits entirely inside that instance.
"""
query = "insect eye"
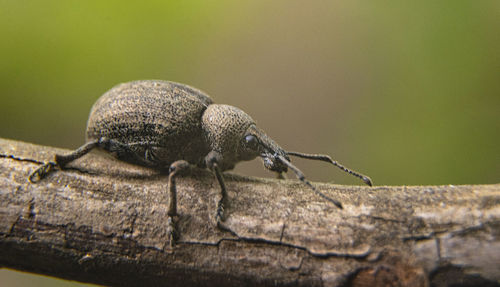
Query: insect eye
(251, 142)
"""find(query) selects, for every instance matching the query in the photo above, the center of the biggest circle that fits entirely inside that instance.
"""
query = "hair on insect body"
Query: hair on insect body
(161, 124)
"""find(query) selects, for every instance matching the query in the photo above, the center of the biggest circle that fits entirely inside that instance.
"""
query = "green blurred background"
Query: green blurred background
(408, 93)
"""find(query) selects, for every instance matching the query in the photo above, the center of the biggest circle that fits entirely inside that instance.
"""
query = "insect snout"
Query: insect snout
(273, 163)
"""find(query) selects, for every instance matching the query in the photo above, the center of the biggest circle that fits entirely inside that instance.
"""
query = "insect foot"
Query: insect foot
(212, 162)
(41, 172)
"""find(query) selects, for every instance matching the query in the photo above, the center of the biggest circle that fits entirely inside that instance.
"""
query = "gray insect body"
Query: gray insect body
(158, 122)
(162, 124)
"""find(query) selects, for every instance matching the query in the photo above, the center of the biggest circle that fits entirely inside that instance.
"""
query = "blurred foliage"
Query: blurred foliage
(408, 93)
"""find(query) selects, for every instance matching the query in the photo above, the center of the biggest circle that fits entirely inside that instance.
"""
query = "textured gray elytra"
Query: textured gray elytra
(161, 124)
(158, 122)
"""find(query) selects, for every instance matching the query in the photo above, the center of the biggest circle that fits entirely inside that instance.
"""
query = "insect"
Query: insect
(161, 124)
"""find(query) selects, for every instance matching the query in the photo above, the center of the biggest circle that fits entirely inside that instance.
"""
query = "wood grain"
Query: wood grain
(104, 221)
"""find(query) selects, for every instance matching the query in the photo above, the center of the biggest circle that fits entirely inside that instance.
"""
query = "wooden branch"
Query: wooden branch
(103, 221)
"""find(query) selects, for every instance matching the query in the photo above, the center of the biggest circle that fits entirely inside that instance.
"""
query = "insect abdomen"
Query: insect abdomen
(158, 121)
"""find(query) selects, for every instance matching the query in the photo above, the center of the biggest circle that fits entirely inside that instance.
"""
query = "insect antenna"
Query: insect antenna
(302, 178)
(327, 158)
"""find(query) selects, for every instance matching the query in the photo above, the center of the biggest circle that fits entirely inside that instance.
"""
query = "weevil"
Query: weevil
(161, 124)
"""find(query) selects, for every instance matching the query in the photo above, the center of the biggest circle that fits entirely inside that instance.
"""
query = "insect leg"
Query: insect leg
(175, 169)
(211, 161)
(61, 161)
(220, 205)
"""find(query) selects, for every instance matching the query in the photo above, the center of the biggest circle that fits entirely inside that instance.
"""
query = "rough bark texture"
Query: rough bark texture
(103, 221)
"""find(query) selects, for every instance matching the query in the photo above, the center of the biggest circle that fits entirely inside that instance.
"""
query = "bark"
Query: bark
(104, 222)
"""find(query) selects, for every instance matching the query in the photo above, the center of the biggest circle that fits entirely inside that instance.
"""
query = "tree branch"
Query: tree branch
(103, 221)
